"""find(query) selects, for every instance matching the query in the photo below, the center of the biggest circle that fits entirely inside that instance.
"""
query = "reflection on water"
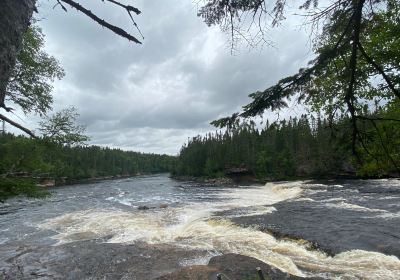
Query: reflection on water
(200, 218)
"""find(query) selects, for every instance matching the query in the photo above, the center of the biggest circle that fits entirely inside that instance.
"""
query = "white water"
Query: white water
(194, 227)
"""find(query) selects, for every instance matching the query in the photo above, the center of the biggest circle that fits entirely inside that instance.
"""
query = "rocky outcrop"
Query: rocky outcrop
(92, 260)
(46, 183)
(204, 182)
(234, 266)
(144, 207)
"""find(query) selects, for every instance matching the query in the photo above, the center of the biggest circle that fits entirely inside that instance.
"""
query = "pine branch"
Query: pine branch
(376, 119)
(349, 98)
(385, 147)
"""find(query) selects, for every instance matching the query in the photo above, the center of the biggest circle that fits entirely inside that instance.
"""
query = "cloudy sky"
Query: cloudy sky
(152, 97)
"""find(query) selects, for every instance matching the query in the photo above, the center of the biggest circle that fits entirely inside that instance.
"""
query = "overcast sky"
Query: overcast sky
(152, 97)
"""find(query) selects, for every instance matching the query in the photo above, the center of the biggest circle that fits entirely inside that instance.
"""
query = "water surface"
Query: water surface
(355, 223)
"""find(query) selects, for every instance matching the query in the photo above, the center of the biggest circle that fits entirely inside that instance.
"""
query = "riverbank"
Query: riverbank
(220, 181)
(234, 267)
(94, 259)
(103, 230)
(90, 180)
(249, 179)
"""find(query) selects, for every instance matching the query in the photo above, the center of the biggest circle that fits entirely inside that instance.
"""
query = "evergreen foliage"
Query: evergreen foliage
(354, 77)
(77, 162)
(304, 147)
(20, 186)
(38, 158)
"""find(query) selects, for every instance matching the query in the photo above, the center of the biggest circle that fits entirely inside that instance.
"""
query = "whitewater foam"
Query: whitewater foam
(350, 206)
(193, 227)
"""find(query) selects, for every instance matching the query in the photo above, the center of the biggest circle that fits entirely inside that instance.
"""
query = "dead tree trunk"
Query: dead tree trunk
(15, 16)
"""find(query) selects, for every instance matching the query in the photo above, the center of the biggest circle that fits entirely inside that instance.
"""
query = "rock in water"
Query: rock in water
(234, 266)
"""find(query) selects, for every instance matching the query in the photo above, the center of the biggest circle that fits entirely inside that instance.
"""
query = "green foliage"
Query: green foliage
(369, 102)
(326, 90)
(323, 84)
(38, 158)
(381, 145)
(17, 186)
(307, 147)
(30, 85)
(59, 153)
(281, 150)
(62, 129)
(76, 162)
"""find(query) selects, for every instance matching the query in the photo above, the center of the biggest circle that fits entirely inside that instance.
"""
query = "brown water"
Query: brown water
(193, 221)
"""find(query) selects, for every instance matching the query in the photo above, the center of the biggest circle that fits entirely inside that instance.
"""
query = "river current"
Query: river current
(334, 230)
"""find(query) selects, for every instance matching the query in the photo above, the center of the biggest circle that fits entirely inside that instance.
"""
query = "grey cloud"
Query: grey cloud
(147, 139)
(151, 97)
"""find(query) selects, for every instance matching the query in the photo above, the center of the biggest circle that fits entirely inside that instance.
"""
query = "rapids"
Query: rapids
(216, 220)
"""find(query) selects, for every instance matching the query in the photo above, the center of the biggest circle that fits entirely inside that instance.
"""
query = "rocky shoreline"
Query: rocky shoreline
(93, 259)
(230, 266)
(222, 181)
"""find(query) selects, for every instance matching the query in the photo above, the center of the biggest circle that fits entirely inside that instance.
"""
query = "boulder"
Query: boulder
(234, 266)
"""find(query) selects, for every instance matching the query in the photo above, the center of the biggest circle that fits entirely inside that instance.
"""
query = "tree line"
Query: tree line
(25, 160)
(297, 147)
(353, 83)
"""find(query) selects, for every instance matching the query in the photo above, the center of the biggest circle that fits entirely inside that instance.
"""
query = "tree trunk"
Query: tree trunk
(15, 16)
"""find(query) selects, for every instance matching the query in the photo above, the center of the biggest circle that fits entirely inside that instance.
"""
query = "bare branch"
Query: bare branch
(380, 70)
(129, 9)
(113, 28)
(17, 125)
(59, 3)
(126, 7)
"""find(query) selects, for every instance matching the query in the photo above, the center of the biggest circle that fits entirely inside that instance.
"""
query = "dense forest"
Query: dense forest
(23, 157)
(57, 151)
(351, 87)
(308, 146)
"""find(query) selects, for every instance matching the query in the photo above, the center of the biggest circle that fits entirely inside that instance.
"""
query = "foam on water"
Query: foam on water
(345, 205)
(193, 227)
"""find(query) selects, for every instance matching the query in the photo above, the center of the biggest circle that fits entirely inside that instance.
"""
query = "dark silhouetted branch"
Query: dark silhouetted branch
(349, 98)
(113, 28)
(126, 7)
(380, 70)
(376, 119)
(17, 125)
(129, 9)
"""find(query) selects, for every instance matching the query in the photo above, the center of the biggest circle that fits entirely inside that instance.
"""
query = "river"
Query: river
(335, 229)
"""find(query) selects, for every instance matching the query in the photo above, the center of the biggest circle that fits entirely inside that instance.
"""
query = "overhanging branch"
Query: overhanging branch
(349, 97)
(380, 70)
(129, 8)
(17, 125)
(377, 119)
(113, 28)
